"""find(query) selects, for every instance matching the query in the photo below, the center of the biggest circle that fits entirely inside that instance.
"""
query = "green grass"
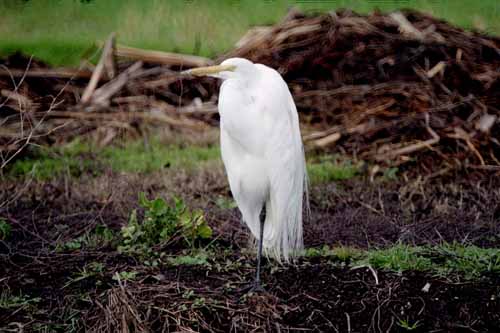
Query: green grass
(78, 158)
(138, 157)
(329, 169)
(196, 258)
(399, 258)
(468, 262)
(63, 31)
(447, 259)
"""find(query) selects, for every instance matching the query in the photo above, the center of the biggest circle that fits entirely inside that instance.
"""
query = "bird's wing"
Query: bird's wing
(285, 161)
(242, 149)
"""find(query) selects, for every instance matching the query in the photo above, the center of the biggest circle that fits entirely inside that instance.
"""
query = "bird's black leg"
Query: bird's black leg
(259, 254)
(257, 287)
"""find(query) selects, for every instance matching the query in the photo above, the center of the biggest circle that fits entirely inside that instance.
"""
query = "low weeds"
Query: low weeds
(466, 262)
(162, 224)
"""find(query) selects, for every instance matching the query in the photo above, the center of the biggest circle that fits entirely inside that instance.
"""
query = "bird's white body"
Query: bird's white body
(263, 153)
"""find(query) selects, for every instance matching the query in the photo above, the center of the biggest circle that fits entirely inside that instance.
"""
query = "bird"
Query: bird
(263, 155)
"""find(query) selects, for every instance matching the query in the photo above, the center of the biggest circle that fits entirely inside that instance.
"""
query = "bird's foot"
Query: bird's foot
(257, 288)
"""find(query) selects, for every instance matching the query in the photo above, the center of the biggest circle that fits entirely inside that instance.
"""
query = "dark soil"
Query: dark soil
(318, 294)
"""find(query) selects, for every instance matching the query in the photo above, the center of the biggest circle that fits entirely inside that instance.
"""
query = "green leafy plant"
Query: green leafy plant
(162, 224)
(406, 325)
(5, 229)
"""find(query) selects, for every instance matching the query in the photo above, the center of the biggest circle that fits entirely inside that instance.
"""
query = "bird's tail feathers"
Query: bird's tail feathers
(283, 235)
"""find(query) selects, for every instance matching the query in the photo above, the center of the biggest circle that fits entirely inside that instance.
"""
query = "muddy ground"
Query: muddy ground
(317, 294)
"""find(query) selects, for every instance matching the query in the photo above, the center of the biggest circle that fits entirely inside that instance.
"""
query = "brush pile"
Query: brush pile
(388, 87)
(126, 93)
(397, 88)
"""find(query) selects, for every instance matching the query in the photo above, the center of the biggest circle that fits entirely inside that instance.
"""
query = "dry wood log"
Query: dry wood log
(109, 58)
(405, 27)
(127, 117)
(102, 95)
(164, 58)
(57, 73)
(327, 140)
(438, 68)
(96, 75)
(411, 148)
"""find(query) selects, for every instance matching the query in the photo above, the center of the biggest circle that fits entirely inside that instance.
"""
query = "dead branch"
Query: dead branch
(163, 58)
(102, 95)
(96, 75)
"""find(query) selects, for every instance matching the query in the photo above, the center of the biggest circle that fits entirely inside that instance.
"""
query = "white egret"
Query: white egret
(263, 154)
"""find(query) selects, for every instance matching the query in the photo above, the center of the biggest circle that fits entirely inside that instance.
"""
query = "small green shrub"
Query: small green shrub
(161, 225)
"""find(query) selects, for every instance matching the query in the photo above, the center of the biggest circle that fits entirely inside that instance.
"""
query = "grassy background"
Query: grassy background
(63, 31)
(77, 158)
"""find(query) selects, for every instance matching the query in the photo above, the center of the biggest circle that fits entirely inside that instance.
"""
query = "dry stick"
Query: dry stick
(23, 101)
(96, 75)
(405, 27)
(164, 58)
(438, 68)
(204, 108)
(102, 95)
(462, 134)
(348, 322)
(110, 59)
(18, 84)
(127, 117)
(327, 140)
(485, 167)
(57, 73)
(411, 148)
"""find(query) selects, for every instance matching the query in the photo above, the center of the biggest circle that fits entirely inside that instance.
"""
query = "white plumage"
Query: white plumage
(262, 151)
(263, 155)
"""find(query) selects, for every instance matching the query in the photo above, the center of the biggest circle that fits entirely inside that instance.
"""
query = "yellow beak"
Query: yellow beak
(210, 70)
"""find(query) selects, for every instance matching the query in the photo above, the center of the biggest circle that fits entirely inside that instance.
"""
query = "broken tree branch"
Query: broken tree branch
(96, 75)
(163, 58)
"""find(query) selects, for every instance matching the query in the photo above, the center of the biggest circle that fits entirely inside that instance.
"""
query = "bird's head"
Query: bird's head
(229, 68)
